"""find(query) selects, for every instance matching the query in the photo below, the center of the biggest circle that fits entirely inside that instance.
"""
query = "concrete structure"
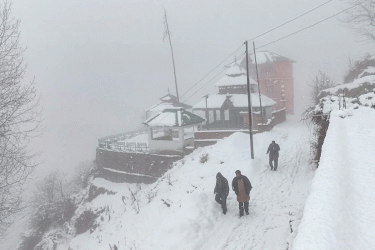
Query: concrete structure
(118, 166)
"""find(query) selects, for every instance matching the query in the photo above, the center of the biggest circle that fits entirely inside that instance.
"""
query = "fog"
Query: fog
(99, 64)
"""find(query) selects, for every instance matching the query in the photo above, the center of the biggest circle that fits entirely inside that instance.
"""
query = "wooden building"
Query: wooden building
(226, 110)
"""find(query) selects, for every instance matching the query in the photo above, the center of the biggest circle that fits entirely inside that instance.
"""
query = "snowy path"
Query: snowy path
(276, 199)
(340, 213)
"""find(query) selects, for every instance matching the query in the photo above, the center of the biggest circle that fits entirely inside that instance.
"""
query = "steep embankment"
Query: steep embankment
(179, 211)
(339, 213)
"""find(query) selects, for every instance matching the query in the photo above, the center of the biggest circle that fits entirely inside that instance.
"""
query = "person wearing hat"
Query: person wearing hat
(221, 191)
(242, 187)
(273, 151)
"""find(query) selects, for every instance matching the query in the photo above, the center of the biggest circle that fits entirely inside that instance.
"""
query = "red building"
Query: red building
(275, 78)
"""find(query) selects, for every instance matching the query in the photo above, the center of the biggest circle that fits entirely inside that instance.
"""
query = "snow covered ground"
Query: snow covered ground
(340, 211)
(179, 211)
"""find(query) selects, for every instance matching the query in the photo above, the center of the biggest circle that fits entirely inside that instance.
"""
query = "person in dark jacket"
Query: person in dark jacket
(221, 191)
(273, 151)
(242, 187)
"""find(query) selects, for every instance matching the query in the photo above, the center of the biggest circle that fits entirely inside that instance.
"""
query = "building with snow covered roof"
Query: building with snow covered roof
(167, 101)
(228, 108)
(275, 77)
(172, 131)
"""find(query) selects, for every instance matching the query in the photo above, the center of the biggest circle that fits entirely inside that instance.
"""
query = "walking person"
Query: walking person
(273, 151)
(221, 191)
(242, 187)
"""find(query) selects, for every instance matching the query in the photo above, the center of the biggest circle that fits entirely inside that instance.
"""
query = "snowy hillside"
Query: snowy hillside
(179, 211)
(361, 91)
(339, 213)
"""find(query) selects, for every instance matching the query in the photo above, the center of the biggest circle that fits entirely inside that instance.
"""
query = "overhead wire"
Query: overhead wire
(312, 25)
(211, 71)
(305, 13)
(209, 81)
(291, 20)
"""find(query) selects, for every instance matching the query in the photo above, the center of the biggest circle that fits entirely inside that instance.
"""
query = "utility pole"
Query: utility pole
(249, 103)
(206, 113)
(167, 33)
(260, 99)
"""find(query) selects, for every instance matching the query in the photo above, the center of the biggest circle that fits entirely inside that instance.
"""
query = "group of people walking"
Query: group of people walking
(241, 184)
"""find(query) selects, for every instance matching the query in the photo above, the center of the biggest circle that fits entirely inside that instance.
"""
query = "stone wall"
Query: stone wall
(117, 166)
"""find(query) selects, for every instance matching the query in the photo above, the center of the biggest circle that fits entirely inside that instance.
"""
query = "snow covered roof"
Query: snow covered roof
(234, 80)
(160, 107)
(173, 117)
(265, 57)
(235, 70)
(168, 98)
(166, 105)
(238, 101)
(213, 102)
(235, 75)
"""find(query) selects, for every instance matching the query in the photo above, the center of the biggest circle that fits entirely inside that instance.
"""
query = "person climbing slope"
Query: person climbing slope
(242, 187)
(273, 151)
(221, 190)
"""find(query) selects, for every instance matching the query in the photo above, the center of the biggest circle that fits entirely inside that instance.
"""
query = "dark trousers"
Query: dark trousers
(241, 205)
(274, 159)
(222, 199)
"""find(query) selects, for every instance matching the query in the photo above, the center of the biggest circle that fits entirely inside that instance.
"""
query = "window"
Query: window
(226, 115)
(162, 134)
(218, 115)
(211, 116)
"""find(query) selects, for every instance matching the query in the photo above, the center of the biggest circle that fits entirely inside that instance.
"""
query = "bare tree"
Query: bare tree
(19, 117)
(362, 18)
(321, 81)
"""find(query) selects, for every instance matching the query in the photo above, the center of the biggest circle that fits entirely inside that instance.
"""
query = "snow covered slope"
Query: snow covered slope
(179, 211)
(340, 211)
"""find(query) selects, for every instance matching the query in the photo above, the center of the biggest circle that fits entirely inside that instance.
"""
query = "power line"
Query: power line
(290, 20)
(259, 47)
(211, 71)
(309, 26)
(208, 82)
(204, 85)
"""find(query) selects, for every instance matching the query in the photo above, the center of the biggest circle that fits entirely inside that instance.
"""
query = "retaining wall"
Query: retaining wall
(117, 166)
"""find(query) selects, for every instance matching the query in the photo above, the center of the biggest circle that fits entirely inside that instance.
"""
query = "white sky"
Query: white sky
(99, 64)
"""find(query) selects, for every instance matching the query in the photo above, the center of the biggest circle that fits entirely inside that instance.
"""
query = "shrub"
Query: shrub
(30, 242)
(49, 214)
(203, 158)
(83, 174)
(94, 192)
(85, 221)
